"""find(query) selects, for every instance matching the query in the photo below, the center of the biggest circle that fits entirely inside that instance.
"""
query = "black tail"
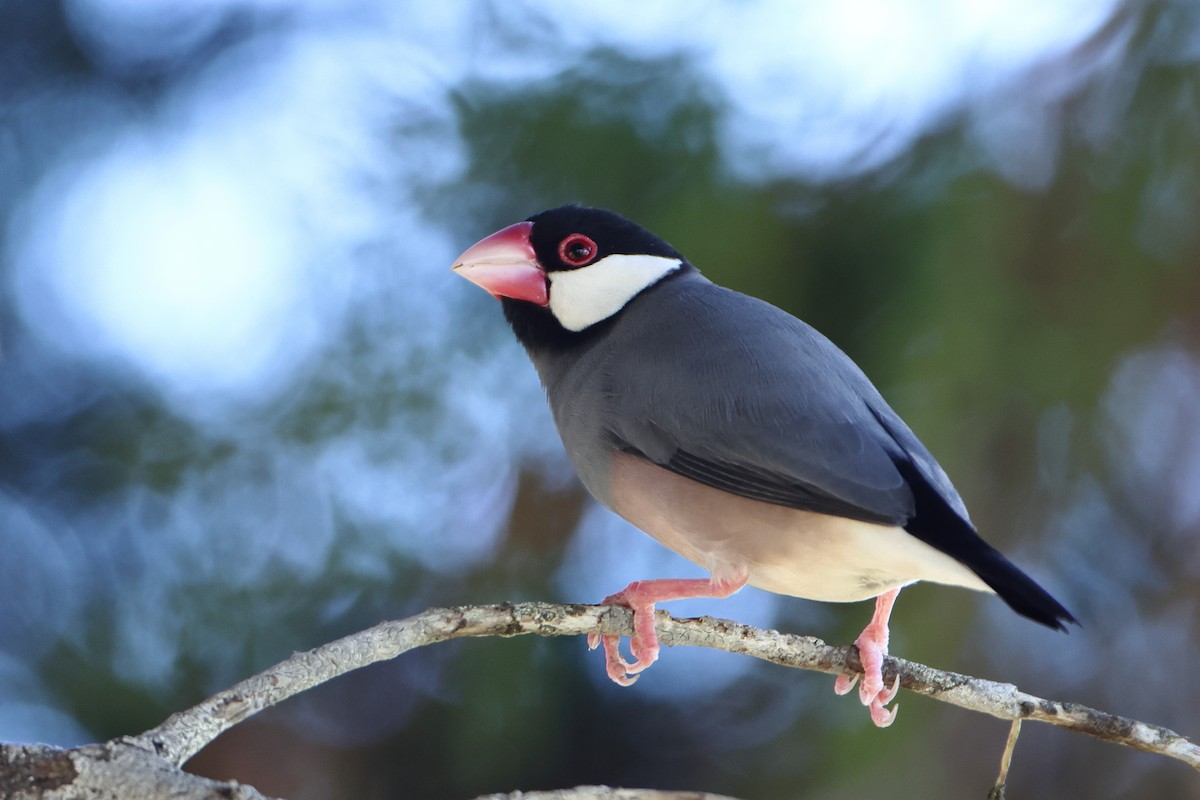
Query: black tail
(1021, 592)
(939, 525)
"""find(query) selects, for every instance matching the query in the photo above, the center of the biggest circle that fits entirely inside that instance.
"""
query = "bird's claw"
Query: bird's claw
(872, 650)
(619, 670)
(640, 597)
(876, 701)
(615, 665)
(889, 695)
(883, 717)
(873, 688)
(643, 645)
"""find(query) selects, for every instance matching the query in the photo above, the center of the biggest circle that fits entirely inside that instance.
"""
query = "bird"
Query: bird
(733, 433)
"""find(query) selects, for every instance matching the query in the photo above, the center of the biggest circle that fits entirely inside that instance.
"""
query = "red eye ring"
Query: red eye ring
(577, 250)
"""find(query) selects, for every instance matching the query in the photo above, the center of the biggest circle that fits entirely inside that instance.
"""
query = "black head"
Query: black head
(573, 236)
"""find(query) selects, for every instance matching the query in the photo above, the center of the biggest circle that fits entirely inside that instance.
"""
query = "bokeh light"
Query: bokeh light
(245, 407)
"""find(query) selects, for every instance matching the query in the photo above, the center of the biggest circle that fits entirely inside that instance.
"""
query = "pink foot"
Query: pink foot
(640, 596)
(872, 647)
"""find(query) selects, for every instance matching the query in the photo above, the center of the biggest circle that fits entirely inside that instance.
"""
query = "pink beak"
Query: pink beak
(504, 265)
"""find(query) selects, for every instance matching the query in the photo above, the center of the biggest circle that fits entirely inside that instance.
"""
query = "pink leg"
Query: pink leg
(872, 647)
(640, 596)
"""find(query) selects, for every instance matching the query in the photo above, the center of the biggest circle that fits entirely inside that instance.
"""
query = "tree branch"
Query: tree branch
(103, 771)
(148, 765)
(997, 792)
(605, 793)
(185, 733)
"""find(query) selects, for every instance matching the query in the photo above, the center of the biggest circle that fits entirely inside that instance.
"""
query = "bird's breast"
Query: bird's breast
(784, 550)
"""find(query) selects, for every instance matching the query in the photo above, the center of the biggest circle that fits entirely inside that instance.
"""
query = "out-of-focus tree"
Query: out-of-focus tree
(244, 408)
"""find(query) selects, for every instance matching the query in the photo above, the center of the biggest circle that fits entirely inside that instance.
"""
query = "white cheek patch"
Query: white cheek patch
(582, 297)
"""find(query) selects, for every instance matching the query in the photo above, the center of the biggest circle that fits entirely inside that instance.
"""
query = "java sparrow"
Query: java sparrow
(733, 433)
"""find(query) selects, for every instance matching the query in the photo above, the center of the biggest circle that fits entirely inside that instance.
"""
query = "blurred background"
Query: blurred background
(245, 408)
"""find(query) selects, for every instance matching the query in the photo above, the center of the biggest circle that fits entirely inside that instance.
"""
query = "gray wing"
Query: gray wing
(739, 395)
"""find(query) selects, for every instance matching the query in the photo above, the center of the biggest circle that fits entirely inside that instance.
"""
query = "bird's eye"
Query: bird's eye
(576, 250)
